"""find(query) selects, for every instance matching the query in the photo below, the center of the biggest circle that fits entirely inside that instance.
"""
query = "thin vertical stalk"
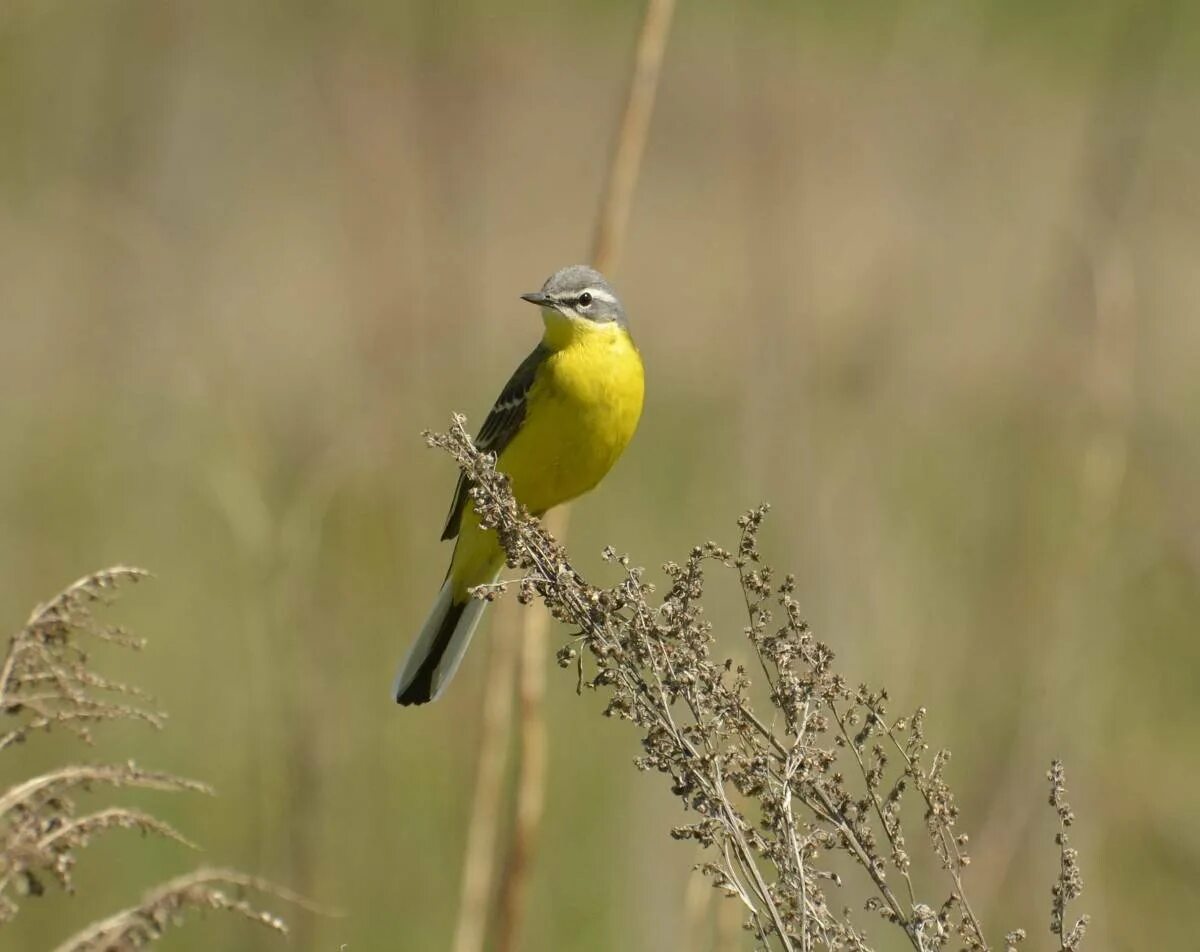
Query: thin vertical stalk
(531, 768)
(608, 238)
(623, 169)
(489, 781)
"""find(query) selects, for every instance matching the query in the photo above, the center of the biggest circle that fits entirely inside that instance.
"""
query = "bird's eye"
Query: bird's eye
(585, 299)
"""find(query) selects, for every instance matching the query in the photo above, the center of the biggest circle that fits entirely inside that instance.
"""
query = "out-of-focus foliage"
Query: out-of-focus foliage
(923, 276)
(47, 821)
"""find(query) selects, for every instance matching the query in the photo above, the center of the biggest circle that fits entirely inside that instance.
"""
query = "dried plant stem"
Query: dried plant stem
(1069, 884)
(768, 804)
(611, 220)
(46, 681)
(531, 767)
(631, 137)
(203, 889)
(489, 781)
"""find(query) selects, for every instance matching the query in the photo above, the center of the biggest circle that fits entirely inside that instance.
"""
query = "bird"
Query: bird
(560, 423)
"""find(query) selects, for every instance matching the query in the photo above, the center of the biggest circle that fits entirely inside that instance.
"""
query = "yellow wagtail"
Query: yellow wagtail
(558, 426)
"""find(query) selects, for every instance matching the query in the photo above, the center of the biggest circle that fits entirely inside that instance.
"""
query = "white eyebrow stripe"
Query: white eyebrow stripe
(570, 299)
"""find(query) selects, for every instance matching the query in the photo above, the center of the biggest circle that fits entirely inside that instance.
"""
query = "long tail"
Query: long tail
(440, 646)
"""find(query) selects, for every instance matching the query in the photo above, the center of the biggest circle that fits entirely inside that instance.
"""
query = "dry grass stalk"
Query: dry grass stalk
(827, 772)
(41, 831)
(46, 682)
(485, 807)
(630, 144)
(531, 770)
(162, 907)
(611, 220)
(1069, 884)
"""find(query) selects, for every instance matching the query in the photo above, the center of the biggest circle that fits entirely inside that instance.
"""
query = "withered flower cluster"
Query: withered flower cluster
(778, 796)
(1069, 884)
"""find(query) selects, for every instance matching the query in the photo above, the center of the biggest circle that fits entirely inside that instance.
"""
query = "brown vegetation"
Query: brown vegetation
(775, 793)
(46, 682)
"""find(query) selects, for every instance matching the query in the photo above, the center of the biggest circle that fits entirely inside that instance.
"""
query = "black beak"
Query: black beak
(538, 298)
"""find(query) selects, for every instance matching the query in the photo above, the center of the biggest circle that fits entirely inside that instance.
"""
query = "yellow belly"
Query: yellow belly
(581, 414)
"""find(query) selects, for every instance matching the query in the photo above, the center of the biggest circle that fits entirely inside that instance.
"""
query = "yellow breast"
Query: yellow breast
(581, 413)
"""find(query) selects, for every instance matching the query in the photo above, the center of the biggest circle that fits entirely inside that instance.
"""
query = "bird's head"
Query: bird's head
(578, 299)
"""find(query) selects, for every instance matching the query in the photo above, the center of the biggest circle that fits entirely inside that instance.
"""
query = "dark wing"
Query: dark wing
(498, 429)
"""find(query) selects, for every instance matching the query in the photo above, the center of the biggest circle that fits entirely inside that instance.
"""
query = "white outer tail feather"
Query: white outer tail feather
(453, 655)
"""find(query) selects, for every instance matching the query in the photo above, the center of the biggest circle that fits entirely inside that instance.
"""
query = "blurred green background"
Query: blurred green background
(924, 276)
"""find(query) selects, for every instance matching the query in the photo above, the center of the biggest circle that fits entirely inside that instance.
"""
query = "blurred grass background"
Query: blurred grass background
(921, 275)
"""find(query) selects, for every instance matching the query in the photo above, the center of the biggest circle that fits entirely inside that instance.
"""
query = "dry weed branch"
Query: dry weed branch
(772, 798)
(162, 907)
(1069, 884)
(46, 682)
